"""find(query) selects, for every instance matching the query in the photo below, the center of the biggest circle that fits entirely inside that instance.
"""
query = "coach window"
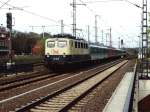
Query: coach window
(71, 43)
(79, 45)
(50, 44)
(84, 45)
(76, 45)
(103, 51)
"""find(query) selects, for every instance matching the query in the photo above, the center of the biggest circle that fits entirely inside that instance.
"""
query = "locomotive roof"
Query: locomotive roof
(67, 36)
(64, 36)
(98, 46)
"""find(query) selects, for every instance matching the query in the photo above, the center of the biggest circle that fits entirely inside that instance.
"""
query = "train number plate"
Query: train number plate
(55, 59)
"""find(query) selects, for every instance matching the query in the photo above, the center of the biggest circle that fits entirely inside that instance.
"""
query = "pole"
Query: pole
(102, 36)
(43, 31)
(96, 29)
(74, 17)
(62, 27)
(88, 34)
(74, 5)
(119, 42)
(10, 45)
(110, 38)
(144, 41)
(32, 28)
(106, 38)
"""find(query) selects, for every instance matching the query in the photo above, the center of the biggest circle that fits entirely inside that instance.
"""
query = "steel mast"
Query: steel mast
(144, 63)
(74, 17)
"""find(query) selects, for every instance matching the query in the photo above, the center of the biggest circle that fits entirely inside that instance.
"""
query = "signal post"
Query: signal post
(9, 26)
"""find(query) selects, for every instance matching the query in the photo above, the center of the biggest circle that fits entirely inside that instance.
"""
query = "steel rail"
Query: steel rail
(75, 99)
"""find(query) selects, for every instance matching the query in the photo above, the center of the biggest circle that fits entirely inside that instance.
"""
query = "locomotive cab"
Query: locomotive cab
(57, 49)
(65, 50)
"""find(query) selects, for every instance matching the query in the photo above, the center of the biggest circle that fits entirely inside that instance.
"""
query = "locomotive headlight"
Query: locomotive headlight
(2, 35)
(47, 54)
(64, 55)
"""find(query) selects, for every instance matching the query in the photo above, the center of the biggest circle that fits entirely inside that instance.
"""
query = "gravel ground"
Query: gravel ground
(16, 103)
(21, 89)
(11, 105)
(98, 98)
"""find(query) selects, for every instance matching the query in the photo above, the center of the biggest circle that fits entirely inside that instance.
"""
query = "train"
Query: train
(4, 45)
(65, 49)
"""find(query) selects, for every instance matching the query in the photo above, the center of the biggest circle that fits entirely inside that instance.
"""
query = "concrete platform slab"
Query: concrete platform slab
(119, 102)
(144, 88)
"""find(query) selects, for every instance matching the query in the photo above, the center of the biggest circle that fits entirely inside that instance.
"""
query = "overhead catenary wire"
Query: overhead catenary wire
(34, 14)
(94, 13)
(3, 4)
(91, 10)
(138, 6)
(102, 1)
(47, 18)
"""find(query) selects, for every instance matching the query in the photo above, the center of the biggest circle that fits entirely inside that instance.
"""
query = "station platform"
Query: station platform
(120, 100)
(131, 95)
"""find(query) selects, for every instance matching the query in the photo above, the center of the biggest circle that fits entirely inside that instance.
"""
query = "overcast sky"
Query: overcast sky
(122, 17)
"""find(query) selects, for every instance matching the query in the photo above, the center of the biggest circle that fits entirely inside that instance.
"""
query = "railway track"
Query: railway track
(15, 81)
(19, 79)
(25, 81)
(21, 95)
(72, 93)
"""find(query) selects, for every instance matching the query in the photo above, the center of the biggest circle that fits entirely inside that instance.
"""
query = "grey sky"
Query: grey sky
(121, 16)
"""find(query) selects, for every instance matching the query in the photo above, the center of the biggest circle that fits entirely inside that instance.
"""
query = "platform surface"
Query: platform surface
(144, 89)
(119, 101)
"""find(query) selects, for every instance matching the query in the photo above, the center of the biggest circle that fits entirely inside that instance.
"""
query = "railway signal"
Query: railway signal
(9, 26)
(9, 20)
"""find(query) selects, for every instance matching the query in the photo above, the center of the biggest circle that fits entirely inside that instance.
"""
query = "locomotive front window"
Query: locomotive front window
(50, 44)
(62, 44)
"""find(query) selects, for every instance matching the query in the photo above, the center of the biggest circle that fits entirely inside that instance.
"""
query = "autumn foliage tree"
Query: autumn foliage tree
(38, 48)
(28, 43)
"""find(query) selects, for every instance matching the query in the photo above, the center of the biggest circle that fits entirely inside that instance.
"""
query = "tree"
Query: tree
(23, 42)
(39, 48)
(46, 35)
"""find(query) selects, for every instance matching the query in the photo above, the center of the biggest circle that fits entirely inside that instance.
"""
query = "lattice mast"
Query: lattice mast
(74, 17)
(144, 65)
